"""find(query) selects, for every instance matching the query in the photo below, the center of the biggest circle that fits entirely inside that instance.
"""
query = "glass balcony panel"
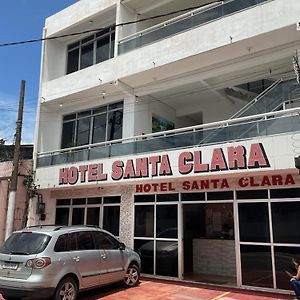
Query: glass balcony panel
(206, 136)
(81, 155)
(44, 161)
(99, 152)
(62, 158)
(186, 23)
(122, 149)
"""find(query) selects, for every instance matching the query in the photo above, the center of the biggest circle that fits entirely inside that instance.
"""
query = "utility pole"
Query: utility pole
(10, 216)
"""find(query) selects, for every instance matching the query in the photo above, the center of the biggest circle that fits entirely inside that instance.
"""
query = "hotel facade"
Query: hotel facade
(175, 125)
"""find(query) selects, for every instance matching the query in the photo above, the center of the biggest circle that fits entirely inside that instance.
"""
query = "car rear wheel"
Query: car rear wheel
(132, 276)
(67, 289)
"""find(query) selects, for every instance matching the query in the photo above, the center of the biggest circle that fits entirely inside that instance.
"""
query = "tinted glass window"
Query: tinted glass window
(283, 263)
(220, 195)
(145, 249)
(93, 216)
(166, 221)
(192, 196)
(105, 241)
(167, 197)
(286, 218)
(253, 194)
(79, 201)
(85, 240)
(256, 266)
(167, 258)
(62, 216)
(73, 57)
(285, 193)
(61, 244)
(113, 199)
(83, 131)
(102, 52)
(111, 219)
(68, 133)
(115, 125)
(144, 198)
(86, 56)
(87, 128)
(78, 216)
(25, 243)
(63, 202)
(99, 129)
(254, 222)
(144, 221)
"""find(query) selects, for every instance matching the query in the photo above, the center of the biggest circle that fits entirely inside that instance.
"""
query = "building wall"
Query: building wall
(21, 196)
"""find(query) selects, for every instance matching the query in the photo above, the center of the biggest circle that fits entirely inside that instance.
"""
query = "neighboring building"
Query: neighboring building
(179, 134)
(25, 169)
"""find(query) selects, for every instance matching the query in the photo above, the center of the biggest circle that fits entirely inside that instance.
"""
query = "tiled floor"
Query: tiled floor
(163, 290)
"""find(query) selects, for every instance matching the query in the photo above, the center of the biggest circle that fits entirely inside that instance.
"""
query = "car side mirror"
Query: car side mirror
(122, 246)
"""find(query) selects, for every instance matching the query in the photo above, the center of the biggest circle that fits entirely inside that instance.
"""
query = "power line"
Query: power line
(98, 29)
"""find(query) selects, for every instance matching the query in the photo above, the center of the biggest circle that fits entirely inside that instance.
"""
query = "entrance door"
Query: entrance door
(208, 243)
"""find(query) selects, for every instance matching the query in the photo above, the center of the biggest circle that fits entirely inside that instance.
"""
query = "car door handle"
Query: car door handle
(77, 258)
(103, 256)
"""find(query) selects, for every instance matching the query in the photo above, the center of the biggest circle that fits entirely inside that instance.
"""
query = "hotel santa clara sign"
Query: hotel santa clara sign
(180, 164)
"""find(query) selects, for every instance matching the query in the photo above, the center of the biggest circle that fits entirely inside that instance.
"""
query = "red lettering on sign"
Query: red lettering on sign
(218, 161)
(257, 157)
(236, 157)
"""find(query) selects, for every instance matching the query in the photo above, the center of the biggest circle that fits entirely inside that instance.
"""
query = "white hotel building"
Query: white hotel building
(179, 133)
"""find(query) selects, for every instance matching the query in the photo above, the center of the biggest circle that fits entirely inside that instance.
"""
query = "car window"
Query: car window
(82, 240)
(61, 244)
(105, 241)
(25, 243)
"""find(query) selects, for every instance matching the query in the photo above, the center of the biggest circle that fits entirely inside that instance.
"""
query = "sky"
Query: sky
(22, 20)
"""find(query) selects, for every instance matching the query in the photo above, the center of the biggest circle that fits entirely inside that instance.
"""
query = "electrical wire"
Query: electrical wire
(98, 29)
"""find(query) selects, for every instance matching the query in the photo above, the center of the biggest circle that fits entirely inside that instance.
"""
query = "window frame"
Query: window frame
(108, 31)
(92, 114)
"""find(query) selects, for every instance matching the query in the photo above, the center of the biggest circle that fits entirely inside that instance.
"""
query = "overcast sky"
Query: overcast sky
(22, 20)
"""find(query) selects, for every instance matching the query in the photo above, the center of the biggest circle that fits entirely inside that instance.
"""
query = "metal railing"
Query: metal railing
(272, 123)
(187, 21)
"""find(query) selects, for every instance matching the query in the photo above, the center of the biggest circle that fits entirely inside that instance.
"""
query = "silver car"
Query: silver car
(57, 262)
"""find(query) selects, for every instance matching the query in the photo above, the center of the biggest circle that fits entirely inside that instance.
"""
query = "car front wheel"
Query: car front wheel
(132, 276)
(67, 289)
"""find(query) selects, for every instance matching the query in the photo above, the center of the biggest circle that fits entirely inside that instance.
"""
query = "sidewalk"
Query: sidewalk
(166, 290)
(149, 289)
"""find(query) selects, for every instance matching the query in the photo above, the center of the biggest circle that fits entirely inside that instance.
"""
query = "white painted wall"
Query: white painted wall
(79, 12)
(55, 59)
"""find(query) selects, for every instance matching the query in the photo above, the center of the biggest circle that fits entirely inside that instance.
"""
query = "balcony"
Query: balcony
(187, 21)
(232, 130)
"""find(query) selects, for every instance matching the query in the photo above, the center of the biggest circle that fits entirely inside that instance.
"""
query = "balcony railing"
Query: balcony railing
(185, 22)
(249, 127)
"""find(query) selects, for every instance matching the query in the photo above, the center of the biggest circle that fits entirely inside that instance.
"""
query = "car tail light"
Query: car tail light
(38, 263)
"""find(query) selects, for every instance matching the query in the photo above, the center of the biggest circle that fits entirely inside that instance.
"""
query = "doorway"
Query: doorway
(208, 243)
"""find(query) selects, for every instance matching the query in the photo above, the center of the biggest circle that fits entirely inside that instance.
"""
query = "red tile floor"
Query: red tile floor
(149, 289)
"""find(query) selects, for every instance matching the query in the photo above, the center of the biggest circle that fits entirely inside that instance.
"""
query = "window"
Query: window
(82, 241)
(91, 50)
(99, 211)
(61, 244)
(254, 222)
(105, 241)
(93, 126)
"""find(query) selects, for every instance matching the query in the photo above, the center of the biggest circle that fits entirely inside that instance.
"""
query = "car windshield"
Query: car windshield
(25, 243)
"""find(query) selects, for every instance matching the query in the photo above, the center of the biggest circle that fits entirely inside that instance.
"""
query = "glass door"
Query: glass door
(208, 243)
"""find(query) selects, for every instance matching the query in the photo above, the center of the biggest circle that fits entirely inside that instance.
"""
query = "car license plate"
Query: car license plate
(10, 266)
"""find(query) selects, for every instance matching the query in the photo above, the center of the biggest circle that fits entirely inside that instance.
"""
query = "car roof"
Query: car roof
(60, 229)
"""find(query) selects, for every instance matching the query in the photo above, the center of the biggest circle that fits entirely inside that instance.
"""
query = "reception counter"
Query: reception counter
(214, 256)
